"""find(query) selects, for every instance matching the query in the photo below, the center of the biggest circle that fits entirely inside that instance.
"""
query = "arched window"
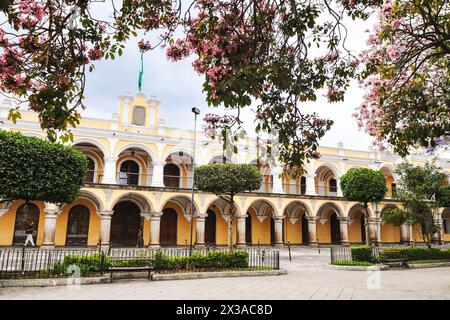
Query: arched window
(168, 228)
(210, 228)
(77, 226)
(335, 229)
(171, 176)
(333, 185)
(26, 215)
(125, 224)
(302, 185)
(90, 175)
(129, 173)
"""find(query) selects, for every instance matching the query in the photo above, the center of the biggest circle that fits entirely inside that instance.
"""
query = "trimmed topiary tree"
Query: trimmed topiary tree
(36, 169)
(364, 185)
(226, 181)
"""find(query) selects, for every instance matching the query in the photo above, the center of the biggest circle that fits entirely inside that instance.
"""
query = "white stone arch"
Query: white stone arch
(223, 208)
(180, 149)
(358, 207)
(269, 205)
(322, 212)
(93, 198)
(220, 154)
(307, 209)
(153, 156)
(144, 204)
(390, 169)
(92, 141)
(184, 202)
(333, 168)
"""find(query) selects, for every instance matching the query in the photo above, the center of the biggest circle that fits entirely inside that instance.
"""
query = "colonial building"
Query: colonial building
(140, 175)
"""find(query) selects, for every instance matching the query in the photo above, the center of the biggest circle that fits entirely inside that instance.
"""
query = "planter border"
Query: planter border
(382, 267)
(428, 265)
(216, 274)
(52, 282)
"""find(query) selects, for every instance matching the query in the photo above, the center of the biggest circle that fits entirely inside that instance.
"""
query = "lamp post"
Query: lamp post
(196, 112)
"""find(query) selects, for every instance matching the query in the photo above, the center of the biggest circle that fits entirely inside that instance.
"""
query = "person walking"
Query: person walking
(29, 231)
(140, 240)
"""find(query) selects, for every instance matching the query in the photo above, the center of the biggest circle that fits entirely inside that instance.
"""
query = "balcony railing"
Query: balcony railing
(133, 179)
(93, 176)
(171, 181)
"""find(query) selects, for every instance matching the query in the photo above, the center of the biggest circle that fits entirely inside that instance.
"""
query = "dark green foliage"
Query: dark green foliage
(363, 185)
(443, 197)
(36, 169)
(361, 253)
(227, 179)
(85, 264)
(412, 254)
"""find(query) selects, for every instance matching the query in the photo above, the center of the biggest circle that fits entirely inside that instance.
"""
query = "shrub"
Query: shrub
(36, 169)
(84, 263)
(362, 253)
(412, 254)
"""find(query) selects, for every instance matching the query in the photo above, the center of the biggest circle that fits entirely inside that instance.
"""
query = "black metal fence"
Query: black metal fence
(41, 263)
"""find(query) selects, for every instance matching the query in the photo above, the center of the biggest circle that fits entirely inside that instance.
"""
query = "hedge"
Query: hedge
(409, 254)
(361, 253)
(36, 169)
(160, 261)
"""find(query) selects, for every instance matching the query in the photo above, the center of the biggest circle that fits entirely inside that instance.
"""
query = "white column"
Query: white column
(338, 186)
(310, 185)
(312, 227)
(109, 171)
(200, 229)
(241, 231)
(105, 228)
(278, 224)
(277, 181)
(437, 236)
(373, 229)
(404, 233)
(155, 224)
(158, 174)
(343, 223)
(51, 211)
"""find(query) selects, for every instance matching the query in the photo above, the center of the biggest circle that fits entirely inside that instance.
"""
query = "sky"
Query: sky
(179, 88)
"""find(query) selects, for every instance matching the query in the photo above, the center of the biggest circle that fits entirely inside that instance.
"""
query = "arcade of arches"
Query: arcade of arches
(82, 223)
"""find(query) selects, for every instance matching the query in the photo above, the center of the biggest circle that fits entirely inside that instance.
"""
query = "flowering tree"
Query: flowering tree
(273, 53)
(407, 76)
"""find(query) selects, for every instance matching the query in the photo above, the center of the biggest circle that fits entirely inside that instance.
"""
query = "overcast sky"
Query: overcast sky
(179, 88)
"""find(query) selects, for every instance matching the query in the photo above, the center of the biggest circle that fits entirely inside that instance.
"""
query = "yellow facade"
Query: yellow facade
(136, 134)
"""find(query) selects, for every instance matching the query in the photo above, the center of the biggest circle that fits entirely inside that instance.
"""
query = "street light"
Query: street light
(196, 112)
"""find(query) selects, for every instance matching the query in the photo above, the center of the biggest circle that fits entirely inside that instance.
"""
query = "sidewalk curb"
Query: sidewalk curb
(227, 274)
(53, 282)
(428, 265)
(382, 267)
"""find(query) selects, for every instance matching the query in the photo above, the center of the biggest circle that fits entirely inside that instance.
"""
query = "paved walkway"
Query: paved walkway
(309, 277)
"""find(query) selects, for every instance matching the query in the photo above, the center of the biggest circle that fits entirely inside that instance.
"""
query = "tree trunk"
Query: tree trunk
(366, 213)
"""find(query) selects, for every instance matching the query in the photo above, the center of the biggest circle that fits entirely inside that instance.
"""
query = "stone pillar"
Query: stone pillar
(241, 243)
(155, 224)
(437, 236)
(378, 230)
(109, 171)
(200, 228)
(338, 186)
(158, 174)
(51, 212)
(310, 185)
(343, 223)
(312, 227)
(373, 229)
(105, 228)
(278, 224)
(277, 181)
(404, 234)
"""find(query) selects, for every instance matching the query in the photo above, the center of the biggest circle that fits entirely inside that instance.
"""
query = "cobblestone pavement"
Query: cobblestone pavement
(309, 277)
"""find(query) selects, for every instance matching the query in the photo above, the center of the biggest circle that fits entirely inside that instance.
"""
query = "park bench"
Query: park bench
(116, 267)
(392, 257)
